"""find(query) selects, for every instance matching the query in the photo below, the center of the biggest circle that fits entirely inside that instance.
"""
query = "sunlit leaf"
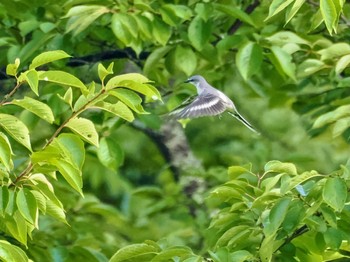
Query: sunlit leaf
(48, 57)
(9, 252)
(130, 98)
(63, 78)
(136, 252)
(85, 129)
(119, 109)
(16, 129)
(32, 79)
(35, 106)
(5, 152)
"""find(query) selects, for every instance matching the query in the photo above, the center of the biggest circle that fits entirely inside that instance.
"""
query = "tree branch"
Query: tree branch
(237, 24)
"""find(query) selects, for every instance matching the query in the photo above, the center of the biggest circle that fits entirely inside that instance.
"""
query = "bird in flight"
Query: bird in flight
(208, 102)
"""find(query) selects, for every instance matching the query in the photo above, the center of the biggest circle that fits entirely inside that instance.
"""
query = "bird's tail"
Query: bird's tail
(245, 122)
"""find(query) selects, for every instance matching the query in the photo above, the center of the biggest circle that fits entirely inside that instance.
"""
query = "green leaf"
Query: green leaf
(342, 63)
(282, 38)
(42, 184)
(277, 6)
(118, 80)
(48, 57)
(74, 148)
(329, 14)
(5, 152)
(63, 78)
(340, 126)
(103, 72)
(68, 97)
(135, 252)
(27, 206)
(234, 12)
(178, 252)
(119, 109)
(120, 31)
(335, 193)
(329, 215)
(334, 51)
(161, 31)
(32, 79)
(136, 82)
(4, 199)
(110, 153)
(36, 107)
(333, 238)
(17, 226)
(199, 32)
(276, 216)
(130, 98)
(292, 11)
(70, 173)
(154, 58)
(85, 129)
(10, 253)
(11, 69)
(82, 16)
(185, 59)
(280, 167)
(55, 211)
(16, 129)
(249, 59)
(283, 62)
(332, 116)
(309, 67)
(232, 235)
(298, 180)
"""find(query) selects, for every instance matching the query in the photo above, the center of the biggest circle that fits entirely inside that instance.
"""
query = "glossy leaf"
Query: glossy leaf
(332, 116)
(117, 81)
(16, 129)
(36, 107)
(11, 69)
(62, 78)
(278, 6)
(47, 57)
(295, 8)
(85, 129)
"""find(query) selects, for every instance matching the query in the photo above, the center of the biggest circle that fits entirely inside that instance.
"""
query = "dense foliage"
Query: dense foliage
(92, 170)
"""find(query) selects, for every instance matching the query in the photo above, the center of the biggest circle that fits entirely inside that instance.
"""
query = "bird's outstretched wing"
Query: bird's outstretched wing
(202, 105)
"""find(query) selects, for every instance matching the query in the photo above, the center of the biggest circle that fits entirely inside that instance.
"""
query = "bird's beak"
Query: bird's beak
(187, 81)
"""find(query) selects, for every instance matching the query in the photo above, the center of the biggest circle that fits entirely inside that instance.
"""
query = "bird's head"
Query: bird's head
(195, 80)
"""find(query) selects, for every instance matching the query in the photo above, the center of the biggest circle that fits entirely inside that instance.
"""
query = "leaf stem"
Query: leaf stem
(14, 90)
(30, 166)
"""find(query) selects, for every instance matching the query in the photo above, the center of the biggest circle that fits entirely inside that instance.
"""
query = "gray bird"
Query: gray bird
(209, 102)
